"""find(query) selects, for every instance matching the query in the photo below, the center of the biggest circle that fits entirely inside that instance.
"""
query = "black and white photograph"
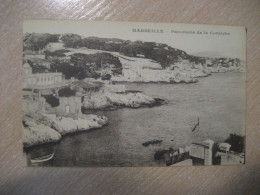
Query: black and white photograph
(127, 94)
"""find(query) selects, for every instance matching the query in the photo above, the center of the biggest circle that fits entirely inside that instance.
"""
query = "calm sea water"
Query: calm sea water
(218, 101)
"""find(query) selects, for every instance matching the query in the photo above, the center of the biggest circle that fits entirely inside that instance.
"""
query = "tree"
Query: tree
(66, 92)
(106, 77)
(52, 100)
(237, 142)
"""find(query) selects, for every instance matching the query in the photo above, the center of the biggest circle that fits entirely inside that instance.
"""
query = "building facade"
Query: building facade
(202, 151)
(40, 79)
(33, 54)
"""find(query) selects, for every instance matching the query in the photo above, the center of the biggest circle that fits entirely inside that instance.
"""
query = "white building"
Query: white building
(33, 54)
(202, 151)
(224, 147)
(40, 79)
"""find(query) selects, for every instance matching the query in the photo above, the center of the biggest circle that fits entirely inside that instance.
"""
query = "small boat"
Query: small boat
(42, 158)
(197, 125)
(151, 142)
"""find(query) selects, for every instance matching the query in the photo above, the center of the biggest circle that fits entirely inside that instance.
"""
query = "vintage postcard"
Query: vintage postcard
(133, 94)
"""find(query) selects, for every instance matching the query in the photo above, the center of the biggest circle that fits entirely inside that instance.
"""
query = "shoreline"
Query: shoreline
(156, 82)
(158, 102)
(40, 128)
(63, 136)
(48, 128)
(173, 82)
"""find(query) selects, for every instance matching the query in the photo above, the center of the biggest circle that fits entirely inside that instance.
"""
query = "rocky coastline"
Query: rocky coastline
(48, 128)
(108, 101)
(104, 62)
(41, 128)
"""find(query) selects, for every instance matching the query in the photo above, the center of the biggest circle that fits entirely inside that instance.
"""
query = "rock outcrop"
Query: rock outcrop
(66, 125)
(34, 134)
(114, 100)
(47, 128)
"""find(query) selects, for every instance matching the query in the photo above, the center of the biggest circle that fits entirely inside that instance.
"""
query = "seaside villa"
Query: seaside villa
(40, 80)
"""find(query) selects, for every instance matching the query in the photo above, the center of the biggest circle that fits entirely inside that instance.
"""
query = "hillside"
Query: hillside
(123, 60)
(38, 41)
(161, 53)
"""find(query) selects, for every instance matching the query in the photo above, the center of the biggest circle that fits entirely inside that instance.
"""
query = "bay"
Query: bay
(218, 101)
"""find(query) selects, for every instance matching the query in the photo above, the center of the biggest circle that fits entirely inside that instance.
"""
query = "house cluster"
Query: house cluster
(37, 86)
(203, 154)
(43, 59)
(29, 54)
(222, 62)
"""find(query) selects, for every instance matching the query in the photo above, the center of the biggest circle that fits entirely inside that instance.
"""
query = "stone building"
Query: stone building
(202, 151)
(68, 106)
(225, 147)
(231, 158)
(32, 105)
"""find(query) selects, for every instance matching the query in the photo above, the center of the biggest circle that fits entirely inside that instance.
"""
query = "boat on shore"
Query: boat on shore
(42, 158)
(151, 142)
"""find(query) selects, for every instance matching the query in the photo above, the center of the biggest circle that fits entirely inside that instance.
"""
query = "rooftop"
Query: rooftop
(45, 74)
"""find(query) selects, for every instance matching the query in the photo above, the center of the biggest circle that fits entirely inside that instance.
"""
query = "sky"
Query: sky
(206, 43)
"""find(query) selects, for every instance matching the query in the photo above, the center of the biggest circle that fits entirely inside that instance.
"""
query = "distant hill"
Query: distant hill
(38, 41)
(89, 65)
(161, 53)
